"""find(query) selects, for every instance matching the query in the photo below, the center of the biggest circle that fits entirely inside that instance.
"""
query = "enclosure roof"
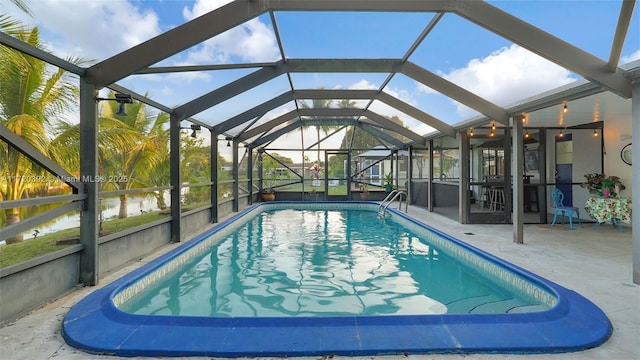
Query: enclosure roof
(379, 66)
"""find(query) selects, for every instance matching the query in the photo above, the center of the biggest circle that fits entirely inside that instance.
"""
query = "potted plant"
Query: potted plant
(268, 165)
(313, 195)
(364, 191)
(268, 194)
(388, 182)
(603, 185)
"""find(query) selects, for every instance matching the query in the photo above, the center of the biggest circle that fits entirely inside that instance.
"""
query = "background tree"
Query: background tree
(283, 159)
(195, 167)
(148, 147)
(33, 96)
(160, 176)
(22, 6)
(319, 104)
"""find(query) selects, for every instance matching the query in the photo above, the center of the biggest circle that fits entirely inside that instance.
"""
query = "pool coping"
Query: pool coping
(96, 326)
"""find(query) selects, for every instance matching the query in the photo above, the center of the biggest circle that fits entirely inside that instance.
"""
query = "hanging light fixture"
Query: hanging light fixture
(121, 99)
(565, 108)
(561, 134)
(493, 126)
(122, 110)
(194, 130)
(228, 138)
(471, 133)
(595, 132)
(526, 134)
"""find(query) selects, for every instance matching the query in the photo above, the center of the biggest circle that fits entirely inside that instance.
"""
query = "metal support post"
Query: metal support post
(430, 171)
(176, 181)
(518, 179)
(635, 175)
(89, 222)
(213, 160)
(250, 174)
(236, 188)
(463, 194)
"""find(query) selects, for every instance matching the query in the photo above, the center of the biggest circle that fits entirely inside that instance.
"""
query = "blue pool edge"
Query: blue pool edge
(96, 326)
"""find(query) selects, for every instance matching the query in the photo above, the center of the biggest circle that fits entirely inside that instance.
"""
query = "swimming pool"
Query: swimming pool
(320, 262)
(569, 323)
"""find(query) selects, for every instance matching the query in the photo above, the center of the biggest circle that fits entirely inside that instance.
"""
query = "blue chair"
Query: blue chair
(558, 198)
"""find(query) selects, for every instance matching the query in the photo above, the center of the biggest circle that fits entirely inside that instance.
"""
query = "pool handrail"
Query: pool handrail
(384, 204)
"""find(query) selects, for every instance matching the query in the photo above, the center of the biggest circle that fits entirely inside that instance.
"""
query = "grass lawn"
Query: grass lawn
(30, 248)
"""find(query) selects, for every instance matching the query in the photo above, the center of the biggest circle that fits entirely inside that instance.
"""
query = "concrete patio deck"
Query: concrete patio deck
(593, 262)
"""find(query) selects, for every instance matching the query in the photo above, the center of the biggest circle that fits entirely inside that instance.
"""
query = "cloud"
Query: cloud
(94, 30)
(106, 28)
(201, 7)
(252, 41)
(632, 57)
(363, 84)
(507, 75)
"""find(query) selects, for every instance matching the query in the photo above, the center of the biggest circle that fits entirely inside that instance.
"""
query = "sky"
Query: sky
(456, 49)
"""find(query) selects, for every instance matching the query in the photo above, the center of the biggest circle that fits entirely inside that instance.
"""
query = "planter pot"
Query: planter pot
(268, 196)
(388, 188)
(364, 196)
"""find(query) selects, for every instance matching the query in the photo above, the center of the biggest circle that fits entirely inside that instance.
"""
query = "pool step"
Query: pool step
(500, 306)
(490, 304)
(465, 305)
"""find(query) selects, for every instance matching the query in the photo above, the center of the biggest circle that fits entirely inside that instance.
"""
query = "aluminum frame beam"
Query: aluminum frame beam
(334, 94)
(173, 41)
(396, 103)
(155, 104)
(10, 204)
(329, 122)
(417, 114)
(298, 124)
(28, 150)
(36, 220)
(331, 112)
(626, 11)
(228, 91)
(268, 125)
(189, 68)
(40, 54)
(379, 134)
(343, 65)
(386, 123)
(276, 134)
(330, 94)
(546, 45)
(254, 112)
(369, 5)
(456, 92)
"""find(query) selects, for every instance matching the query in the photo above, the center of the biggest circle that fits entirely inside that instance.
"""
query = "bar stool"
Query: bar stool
(531, 198)
(496, 198)
(484, 197)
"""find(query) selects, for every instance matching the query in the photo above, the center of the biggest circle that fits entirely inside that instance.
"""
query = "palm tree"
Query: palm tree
(319, 104)
(147, 148)
(159, 176)
(33, 96)
(22, 6)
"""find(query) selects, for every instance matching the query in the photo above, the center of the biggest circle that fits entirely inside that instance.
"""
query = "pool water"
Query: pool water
(288, 263)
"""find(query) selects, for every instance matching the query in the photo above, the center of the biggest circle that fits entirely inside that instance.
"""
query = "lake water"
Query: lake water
(111, 208)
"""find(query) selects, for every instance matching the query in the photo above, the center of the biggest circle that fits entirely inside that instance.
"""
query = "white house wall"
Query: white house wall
(617, 134)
